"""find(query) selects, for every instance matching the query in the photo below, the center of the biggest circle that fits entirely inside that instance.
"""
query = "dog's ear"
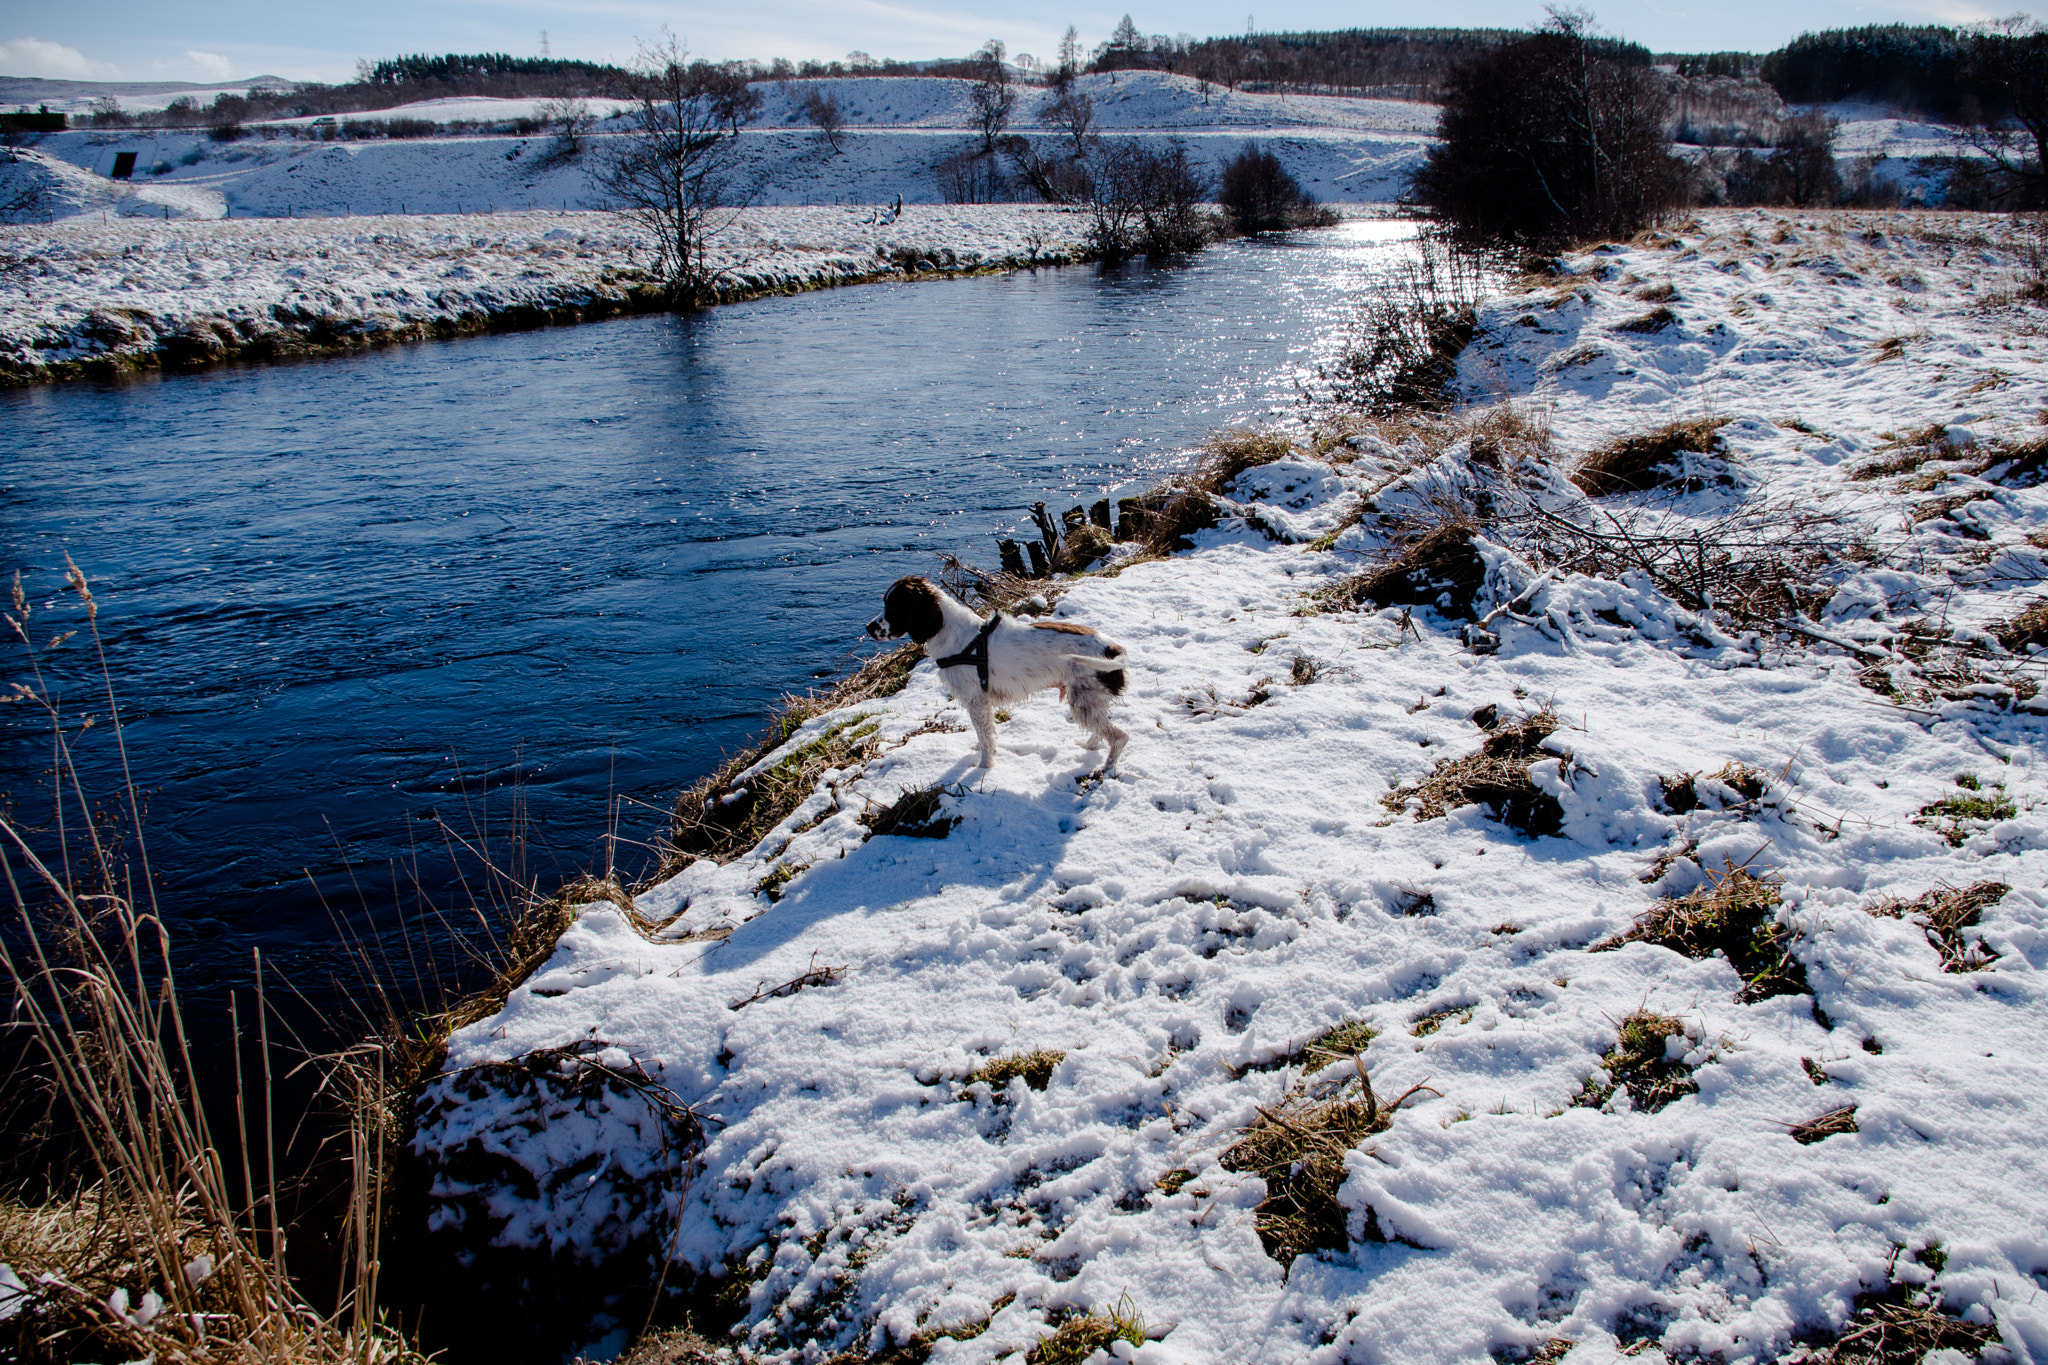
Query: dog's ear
(912, 606)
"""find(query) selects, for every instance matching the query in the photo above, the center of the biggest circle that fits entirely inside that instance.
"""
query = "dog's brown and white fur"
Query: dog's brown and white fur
(1023, 658)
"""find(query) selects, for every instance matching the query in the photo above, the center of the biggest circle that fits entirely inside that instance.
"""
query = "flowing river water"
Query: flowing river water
(342, 599)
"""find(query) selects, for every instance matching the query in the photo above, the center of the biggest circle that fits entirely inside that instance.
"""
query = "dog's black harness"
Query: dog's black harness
(976, 653)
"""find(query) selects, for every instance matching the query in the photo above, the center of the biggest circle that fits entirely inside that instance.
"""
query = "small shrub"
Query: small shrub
(1735, 915)
(1944, 913)
(1650, 459)
(1035, 1067)
(1497, 776)
(1638, 1061)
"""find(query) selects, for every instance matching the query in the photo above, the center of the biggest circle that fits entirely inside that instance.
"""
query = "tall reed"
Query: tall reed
(152, 1254)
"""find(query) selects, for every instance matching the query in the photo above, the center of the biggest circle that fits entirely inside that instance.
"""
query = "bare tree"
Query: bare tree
(671, 170)
(823, 109)
(2008, 68)
(570, 117)
(1072, 112)
(1070, 59)
(994, 99)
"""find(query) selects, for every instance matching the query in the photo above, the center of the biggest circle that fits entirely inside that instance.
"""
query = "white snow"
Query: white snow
(1239, 887)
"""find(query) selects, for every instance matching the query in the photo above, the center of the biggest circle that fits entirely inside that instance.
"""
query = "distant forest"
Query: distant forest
(1921, 69)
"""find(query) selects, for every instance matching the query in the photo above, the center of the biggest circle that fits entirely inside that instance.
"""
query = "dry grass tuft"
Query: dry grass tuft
(1656, 320)
(914, 814)
(1889, 1332)
(1651, 459)
(1682, 792)
(1639, 1061)
(1905, 453)
(1077, 1339)
(1438, 569)
(1164, 518)
(1944, 913)
(1734, 914)
(1497, 776)
(1297, 1147)
(1036, 1067)
(2025, 630)
(1827, 1125)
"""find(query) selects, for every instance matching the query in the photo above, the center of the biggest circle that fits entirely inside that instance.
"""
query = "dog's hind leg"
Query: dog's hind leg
(1088, 703)
(983, 716)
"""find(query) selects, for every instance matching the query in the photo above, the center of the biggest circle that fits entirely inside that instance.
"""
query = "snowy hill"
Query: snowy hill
(1702, 933)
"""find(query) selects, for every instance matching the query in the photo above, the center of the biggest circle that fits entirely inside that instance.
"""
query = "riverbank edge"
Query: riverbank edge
(213, 341)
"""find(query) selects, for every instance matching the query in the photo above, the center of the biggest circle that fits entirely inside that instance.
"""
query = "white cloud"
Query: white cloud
(210, 65)
(34, 57)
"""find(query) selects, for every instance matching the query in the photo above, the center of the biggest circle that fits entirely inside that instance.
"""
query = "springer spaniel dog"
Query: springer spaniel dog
(986, 664)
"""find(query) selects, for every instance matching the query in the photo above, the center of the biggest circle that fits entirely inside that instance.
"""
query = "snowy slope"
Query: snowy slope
(899, 130)
(1180, 930)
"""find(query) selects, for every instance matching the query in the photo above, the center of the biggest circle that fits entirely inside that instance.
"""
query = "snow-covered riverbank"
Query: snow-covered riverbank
(956, 1090)
(83, 297)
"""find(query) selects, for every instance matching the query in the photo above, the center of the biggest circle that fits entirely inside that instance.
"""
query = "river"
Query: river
(345, 599)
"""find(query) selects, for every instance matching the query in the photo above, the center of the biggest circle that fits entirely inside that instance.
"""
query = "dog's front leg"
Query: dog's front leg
(983, 716)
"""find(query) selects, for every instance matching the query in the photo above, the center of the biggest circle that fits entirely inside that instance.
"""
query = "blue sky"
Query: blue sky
(132, 40)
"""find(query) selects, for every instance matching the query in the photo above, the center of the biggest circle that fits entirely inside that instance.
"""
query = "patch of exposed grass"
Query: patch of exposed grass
(1438, 569)
(1657, 293)
(1842, 1120)
(1297, 1147)
(1651, 459)
(1173, 1181)
(1035, 1067)
(1346, 1040)
(1077, 1339)
(1944, 913)
(722, 817)
(1733, 915)
(1906, 452)
(1497, 776)
(1164, 518)
(1436, 1019)
(1656, 320)
(914, 814)
(1955, 817)
(1638, 1061)
(779, 877)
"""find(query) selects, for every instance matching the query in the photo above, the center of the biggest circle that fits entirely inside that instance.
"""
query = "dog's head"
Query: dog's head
(910, 607)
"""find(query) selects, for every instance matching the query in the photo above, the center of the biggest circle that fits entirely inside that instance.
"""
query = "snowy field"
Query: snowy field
(86, 297)
(1878, 376)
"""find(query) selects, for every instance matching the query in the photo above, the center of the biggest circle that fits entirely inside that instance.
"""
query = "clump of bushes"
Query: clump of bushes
(1497, 776)
(1553, 138)
(1258, 195)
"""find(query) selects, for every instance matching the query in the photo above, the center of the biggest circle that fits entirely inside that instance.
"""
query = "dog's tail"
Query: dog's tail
(1110, 660)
